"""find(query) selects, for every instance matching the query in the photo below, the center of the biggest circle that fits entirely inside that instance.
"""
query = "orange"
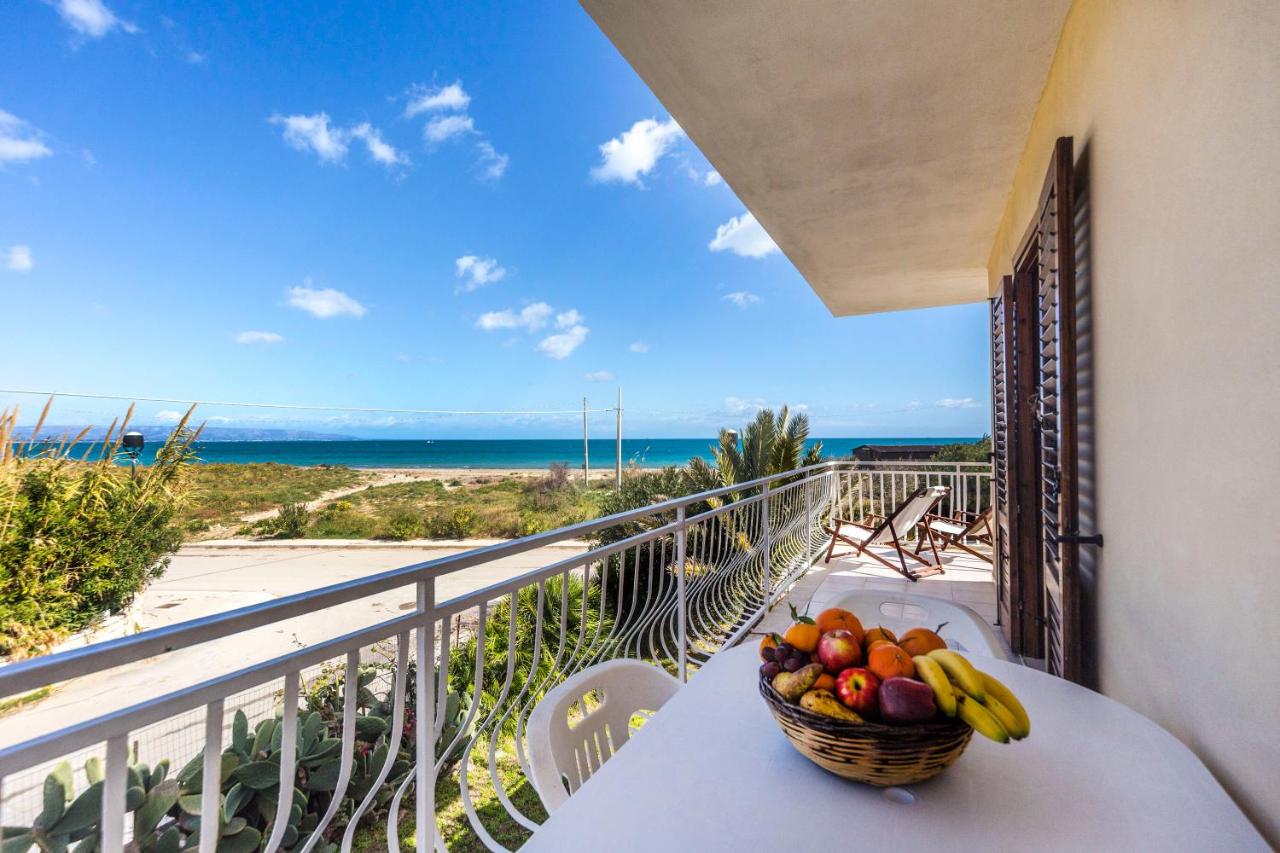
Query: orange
(888, 661)
(825, 681)
(836, 617)
(768, 641)
(921, 641)
(803, 635)
(879, 632)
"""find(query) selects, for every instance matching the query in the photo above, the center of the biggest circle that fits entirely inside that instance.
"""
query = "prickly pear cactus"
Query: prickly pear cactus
(165, 808)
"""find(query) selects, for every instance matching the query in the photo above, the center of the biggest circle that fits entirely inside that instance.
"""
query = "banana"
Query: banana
(980, 719)
(961, 672)
(1003, 695)
(1002, 713)
(931, 673)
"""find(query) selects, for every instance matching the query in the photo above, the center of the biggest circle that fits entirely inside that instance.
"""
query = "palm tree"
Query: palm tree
(771, 444)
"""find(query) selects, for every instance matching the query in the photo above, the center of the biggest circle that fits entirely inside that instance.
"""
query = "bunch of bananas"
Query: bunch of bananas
(961, 690)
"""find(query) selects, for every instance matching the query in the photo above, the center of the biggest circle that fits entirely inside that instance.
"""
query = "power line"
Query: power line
(366, 410)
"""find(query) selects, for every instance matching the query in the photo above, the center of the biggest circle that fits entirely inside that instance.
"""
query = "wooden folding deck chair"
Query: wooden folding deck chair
(961, 526)
(892, 533)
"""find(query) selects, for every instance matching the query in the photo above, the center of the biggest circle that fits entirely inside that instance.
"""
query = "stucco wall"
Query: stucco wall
(1178, 105)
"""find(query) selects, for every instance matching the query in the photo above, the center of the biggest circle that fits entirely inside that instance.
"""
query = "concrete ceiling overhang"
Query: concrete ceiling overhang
(875, 140)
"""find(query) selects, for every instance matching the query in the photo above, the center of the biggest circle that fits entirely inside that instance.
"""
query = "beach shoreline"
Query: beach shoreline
(475, 475)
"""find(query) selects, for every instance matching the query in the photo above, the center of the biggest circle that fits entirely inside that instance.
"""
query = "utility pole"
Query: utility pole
(586, 463)
(617, 465)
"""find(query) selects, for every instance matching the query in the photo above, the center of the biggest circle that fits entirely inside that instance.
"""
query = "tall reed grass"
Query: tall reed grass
(80, 536)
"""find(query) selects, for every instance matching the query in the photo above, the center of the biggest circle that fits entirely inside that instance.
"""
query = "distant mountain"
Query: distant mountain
(161, 432)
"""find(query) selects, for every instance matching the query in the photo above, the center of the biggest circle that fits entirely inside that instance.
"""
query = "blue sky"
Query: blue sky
(408, 205)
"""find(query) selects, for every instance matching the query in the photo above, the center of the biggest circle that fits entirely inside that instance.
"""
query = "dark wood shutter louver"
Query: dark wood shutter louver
(1000, 435)
(1048, 251)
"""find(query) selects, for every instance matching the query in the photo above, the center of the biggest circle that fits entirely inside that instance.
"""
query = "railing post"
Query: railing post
(425, 723)
(682, 616)
(808, 522)
(768, 547)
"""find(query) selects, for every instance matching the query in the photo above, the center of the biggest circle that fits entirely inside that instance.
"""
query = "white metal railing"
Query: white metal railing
(670, 583)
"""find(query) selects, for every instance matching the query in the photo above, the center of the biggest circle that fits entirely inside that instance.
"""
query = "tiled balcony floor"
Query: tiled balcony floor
(966, 580)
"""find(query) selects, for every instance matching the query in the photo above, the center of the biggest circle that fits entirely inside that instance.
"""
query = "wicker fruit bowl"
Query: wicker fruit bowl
(874, 753)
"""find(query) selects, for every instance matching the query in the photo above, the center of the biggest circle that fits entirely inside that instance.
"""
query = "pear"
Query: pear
(792, 685)
(825, 703)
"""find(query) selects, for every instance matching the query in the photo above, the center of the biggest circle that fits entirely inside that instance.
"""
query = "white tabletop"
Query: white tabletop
(712, 771)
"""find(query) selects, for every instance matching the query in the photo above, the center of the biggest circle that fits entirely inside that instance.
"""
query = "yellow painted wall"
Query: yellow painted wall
(1178, 104)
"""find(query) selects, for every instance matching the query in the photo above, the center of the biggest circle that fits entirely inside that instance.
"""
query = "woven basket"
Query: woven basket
(873, 753)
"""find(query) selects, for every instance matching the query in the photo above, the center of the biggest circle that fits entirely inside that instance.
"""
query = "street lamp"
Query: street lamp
(133, 442)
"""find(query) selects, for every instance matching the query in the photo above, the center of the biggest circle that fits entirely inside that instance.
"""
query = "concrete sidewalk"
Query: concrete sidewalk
(203, 580)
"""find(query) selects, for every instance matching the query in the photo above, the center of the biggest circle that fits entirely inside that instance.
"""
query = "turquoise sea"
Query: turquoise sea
(498, 453)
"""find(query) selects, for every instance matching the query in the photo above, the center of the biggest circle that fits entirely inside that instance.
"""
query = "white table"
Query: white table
(712, 771)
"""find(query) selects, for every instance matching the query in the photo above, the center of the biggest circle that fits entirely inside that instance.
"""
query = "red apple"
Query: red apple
(905, 700)
(857, 688)
(838, 650)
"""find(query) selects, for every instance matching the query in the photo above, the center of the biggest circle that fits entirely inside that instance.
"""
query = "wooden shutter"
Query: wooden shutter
(1048, 252)
(1001, 326)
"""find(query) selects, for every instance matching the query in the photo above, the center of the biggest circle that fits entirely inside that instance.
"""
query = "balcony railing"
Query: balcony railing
(378, 734)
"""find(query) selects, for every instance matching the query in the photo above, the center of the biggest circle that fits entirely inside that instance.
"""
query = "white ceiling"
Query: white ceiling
(875, 140)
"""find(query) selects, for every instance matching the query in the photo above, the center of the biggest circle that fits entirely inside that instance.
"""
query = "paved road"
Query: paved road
(205, 580)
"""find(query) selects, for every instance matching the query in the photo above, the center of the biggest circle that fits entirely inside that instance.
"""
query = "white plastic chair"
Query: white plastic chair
(563, 753)
(965, 631)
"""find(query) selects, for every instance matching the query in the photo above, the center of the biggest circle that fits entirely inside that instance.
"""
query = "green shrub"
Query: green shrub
(458, 523)
(291, 522)
(400, 525)
(979, 451)
(345, 524)
(78, 538)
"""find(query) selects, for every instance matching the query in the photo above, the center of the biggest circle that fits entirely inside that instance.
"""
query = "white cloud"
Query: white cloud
(478, 271)
(423, 99)
(402, 357)
(19, 259)
(19, 141)
(741, 298)
(737, 405)
(379, 150)
(452, 100)
(625, 158)
(568, 318)
(441, 128)
(323, 303)
(598, 376)
(560, 346)
(957, 403)
(90, 18)
(743, 236)
(194, 57)
(258, 338)
(532, 317)
(712, 179)
(329, 142)
(914, 404)
(639, 346)
(492, 164)
(168, 416)
(312, 133)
